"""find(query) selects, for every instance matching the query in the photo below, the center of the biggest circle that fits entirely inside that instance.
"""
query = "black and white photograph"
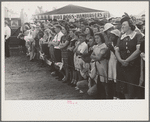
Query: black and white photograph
(74, 60)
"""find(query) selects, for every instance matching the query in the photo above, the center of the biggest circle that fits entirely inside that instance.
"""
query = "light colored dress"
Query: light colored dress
(101, 66)
(112, 67)
(76, 64)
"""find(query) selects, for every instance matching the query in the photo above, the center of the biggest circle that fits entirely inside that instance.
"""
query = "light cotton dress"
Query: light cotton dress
(112, 66)
(101, 66)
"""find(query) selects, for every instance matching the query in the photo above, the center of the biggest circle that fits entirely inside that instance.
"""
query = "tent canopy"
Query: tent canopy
(71, 9)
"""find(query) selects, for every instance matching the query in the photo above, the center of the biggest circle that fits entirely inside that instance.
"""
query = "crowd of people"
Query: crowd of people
(104, 59)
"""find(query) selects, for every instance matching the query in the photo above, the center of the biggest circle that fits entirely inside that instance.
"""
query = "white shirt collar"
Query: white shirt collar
(60, 33)
(132, 35)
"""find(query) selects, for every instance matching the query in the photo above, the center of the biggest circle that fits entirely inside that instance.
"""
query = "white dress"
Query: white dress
(112, 65)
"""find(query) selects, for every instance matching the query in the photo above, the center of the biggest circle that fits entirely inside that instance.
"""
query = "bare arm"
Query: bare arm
(55, 43)
(70, 48)
(118, 55)
(75, 49)
(99, 56)
(134, 55)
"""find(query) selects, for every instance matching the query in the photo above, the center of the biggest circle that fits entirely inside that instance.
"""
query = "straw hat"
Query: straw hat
(107, 26)
(116, 32)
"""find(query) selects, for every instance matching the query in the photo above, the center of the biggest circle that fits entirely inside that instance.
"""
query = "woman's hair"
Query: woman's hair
(101, 36)
(77, 33)
(27, 26)
(131, 25)
(26, 23)
(66, 28)
(91, 31)
(96, 26)
(58, 26)
(91, 37)
(130, 22)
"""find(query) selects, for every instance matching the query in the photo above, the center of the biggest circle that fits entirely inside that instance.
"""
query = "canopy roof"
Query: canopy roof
(71, 9)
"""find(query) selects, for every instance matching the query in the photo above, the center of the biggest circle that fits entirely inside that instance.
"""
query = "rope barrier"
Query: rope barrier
(115, 79)
(110, 78)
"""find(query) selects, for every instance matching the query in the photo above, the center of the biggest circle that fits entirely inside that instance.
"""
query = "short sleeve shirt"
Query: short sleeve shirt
(57, 38)
(83, 47)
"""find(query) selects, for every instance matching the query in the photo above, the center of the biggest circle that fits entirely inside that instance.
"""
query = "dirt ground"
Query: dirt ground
(25, 80)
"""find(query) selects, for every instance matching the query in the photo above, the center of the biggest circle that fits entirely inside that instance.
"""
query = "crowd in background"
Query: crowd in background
(106, 58)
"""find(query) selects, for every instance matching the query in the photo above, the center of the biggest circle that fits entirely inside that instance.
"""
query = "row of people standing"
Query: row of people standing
(104, 64)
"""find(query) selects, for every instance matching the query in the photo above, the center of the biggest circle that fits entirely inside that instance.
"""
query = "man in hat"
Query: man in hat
(7, 39)
(56, 42)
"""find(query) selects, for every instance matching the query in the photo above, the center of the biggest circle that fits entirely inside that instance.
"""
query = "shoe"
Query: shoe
(64, 78)
(28, 54)
(65, 81)
(53, 73)
(81, 92)
(60, 79)
(76, 88)
(72, 81)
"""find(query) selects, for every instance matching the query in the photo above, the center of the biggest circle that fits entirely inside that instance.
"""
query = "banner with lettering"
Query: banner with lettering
(79, 15)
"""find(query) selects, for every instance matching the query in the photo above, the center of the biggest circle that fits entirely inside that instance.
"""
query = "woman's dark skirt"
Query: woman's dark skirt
(127, 79)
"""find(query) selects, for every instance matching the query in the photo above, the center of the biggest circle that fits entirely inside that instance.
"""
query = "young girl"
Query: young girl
(87, 84)
(76, 65)
(74, 35)
(80, 49)
(64, 52)
(88, 32)
(101, 64)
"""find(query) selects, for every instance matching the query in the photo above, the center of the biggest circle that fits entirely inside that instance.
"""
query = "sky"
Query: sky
(115, 8)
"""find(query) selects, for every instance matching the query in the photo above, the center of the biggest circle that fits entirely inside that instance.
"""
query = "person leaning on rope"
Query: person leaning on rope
(56, 42)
